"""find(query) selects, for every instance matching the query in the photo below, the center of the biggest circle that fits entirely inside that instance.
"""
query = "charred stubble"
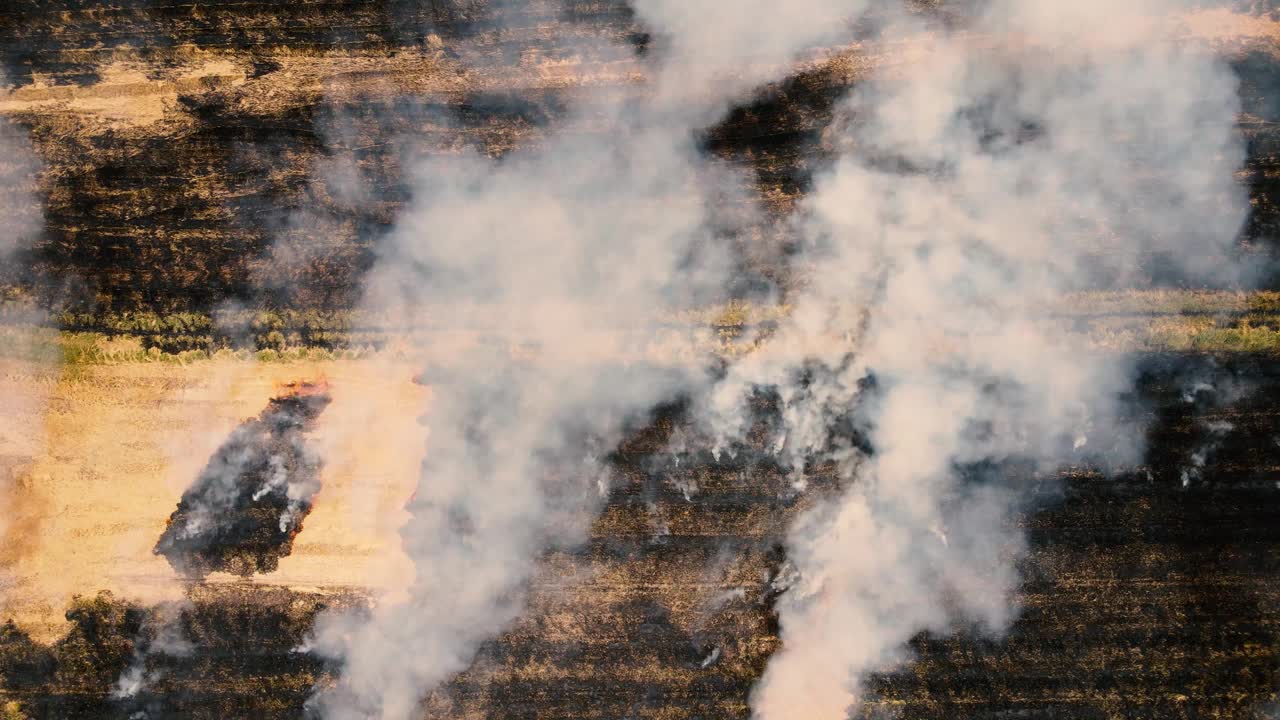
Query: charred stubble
(244, 510)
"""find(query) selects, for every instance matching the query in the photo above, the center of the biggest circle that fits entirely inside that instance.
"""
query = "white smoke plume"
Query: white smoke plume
(551, 270)
(1207, 395)
(161, 634)
(976, 178)
(555, 267)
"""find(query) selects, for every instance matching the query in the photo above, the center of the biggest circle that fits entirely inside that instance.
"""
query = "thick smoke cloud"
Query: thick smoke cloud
(555, 268)
(550, 271)
(975, 183)
(716, 51)
(161, 634)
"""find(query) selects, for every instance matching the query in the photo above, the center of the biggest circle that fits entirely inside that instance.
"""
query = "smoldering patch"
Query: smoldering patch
(245, 508)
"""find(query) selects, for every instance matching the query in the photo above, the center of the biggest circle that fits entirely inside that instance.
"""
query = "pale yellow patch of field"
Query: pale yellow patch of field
(125, 96)
(102, 454)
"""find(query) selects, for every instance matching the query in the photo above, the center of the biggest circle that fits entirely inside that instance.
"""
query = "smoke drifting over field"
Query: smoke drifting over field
(1012, 159)
(571, 253)
(973, 181)
(20, 207)
(969, 185)
(20, 223)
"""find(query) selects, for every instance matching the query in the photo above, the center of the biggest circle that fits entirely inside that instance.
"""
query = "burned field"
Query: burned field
(242, 513)
(218, 181)
(1142, 596)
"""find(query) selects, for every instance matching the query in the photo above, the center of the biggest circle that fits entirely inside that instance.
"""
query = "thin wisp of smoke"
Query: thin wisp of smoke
(20, 225)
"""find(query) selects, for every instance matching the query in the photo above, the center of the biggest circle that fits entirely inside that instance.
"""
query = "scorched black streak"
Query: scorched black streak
(243, 511)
